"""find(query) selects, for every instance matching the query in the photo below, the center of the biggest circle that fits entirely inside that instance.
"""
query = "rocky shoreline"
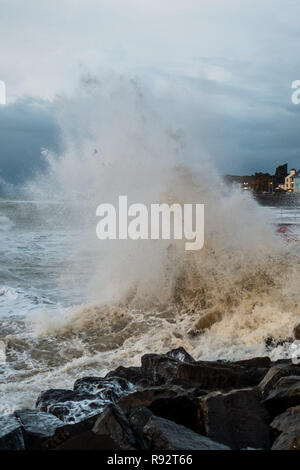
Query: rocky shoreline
(170, 402)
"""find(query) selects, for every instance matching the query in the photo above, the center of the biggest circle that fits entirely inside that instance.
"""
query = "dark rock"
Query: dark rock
(138, 418)
(88, 441)
(110, 388)
(147, 396)
(80, 436)
(287, 420)
(255, 362)
(37, 427)
(237, 419)
(296, 332)
(162, 434)
(216, 376)
(161, 369)
(275, 374)
(113, 424)
(286, 394)
(181, 355)
(208, 375)
(181, 409)
(70, 405)
(288, 441)
(133, 375)
(287, 425)
(11, 437)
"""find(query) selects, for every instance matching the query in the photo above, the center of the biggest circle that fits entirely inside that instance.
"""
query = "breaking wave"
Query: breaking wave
(222, 301)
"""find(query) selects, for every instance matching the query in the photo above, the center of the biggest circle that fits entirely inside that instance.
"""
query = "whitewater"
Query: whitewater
(72, 305)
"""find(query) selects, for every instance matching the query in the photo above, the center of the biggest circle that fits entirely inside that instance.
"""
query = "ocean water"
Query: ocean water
(72, 306)
(51, 332)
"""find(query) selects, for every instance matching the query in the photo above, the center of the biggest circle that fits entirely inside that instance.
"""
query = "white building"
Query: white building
(289, 182)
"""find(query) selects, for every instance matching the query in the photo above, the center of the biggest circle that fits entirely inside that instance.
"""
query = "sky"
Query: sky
(232, 59)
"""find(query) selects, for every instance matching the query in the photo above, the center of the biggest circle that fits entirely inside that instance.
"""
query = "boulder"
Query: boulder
(181, 409)
(134, 375)
(274, 374)
(286, 394)
(163, 369)
(69, 405)
(180, 354)
(263, 362)
(138, 418)
(237, 419)
(296, 332)
(110, 388)
(287, 429)
(113, 424)
(11, 437)
(80, 436)
(37, 427)
(217, 376)
(159, 368)
(147, 396)
(288, 441)
(162, 434)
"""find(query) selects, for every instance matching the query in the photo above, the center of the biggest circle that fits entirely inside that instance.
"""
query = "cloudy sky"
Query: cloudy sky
(236, 58)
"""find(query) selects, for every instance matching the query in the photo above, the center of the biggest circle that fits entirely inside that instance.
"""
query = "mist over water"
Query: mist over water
(109, 302)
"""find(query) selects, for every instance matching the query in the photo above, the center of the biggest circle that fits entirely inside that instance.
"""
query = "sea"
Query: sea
(58, 323)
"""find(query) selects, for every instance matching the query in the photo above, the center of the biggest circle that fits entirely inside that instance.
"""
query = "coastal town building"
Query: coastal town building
(297, 184)
(291, 182)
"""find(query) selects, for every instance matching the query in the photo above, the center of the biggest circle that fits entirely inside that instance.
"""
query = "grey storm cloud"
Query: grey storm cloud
(232, 62)
(26, 126)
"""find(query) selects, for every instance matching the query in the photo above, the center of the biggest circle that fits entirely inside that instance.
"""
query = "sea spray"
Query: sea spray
(126, 298)
(116, 143)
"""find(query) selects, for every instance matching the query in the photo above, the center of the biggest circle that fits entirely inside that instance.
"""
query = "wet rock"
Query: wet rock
(181, 409)
(113, 424)
(162, 434)
(88, 441)
(11, 437)
(288, 420)
(288, 441)
(147, 396)
(110, 388)
(134, 375)
(286, 394)
(180, 354)
(138, 418)
(216, 376)
(286, 428)
(253, 363)
(296, 332)
(70, 405)
(80, 436)
(274, 374)
(37, 427)
(237, 419)
(162, 369)
(159, 368)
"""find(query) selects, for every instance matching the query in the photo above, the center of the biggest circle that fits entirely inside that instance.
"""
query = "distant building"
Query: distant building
(297, 183)
(289, 182)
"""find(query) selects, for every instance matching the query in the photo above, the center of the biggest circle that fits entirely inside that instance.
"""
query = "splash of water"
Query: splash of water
(152, 295)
